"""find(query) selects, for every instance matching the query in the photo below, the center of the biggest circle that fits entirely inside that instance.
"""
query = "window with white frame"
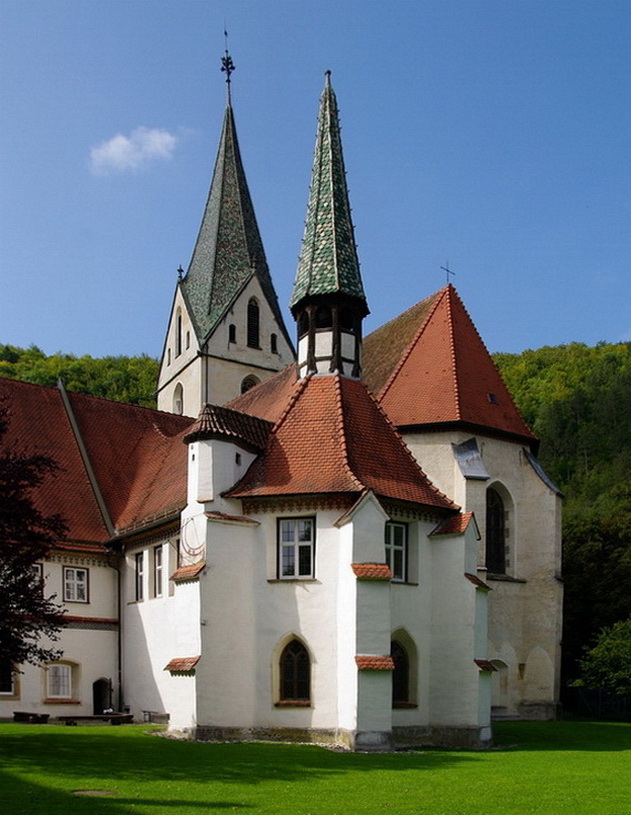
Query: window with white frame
(75, 585)
(396, 550)
(157, 571)
(296, 546)
(59, 681)
(139, 576)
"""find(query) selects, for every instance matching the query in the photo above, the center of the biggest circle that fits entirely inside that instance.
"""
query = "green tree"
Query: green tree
(26, 538)
(608, 664)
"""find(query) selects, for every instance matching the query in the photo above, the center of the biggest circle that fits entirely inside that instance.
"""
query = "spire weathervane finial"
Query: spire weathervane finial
(227, 65)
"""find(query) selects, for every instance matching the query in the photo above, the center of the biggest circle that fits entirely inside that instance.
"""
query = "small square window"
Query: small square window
(296, 540)
(75, 585)
(396, 550)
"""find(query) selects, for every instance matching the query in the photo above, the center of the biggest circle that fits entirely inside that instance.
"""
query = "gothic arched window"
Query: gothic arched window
(295, 673)
(253, 324)
(400, 674)
(178, 399)
(495, 532)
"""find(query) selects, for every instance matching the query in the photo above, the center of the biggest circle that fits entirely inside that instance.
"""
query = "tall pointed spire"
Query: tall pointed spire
(328, 300)
(328, 260)
(229, 250)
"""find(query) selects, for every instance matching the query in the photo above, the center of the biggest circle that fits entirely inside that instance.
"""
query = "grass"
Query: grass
(549, 768)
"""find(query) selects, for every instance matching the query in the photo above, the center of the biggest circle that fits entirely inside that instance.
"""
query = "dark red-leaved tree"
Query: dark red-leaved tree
(30, 622)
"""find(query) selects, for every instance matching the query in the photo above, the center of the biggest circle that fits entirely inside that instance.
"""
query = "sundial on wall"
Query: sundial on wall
(190, 542)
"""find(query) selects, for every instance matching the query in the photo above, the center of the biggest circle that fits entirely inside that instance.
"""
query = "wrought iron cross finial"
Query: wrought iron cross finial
(227, 65)
(447, 270)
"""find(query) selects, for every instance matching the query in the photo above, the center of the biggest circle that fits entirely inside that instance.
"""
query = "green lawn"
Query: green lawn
(578, 768)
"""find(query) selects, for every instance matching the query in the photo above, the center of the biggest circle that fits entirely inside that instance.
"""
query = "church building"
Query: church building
(350, 543)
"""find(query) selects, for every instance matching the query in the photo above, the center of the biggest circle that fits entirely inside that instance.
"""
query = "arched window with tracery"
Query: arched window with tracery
(253, 329)
(249, 382)
(295, 673)
(495, 532)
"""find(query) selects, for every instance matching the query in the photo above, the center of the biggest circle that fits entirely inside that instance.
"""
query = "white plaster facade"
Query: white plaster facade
(525, 601)
(89, 641)
(192, 375)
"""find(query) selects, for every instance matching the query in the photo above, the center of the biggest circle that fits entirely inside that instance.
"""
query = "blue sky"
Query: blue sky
(492, 134)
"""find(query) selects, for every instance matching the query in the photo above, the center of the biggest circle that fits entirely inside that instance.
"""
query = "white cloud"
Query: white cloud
(132, 152)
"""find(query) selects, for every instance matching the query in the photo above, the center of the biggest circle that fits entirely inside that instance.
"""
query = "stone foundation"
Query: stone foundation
(362, 741)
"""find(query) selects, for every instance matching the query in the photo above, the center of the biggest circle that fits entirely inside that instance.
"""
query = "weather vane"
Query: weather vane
(227, 65)
(447, 270)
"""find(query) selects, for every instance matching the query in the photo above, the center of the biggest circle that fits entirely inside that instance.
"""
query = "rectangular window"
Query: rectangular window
(296, 539)
(75, 585)
(140, 575)
(6, 678)
(396, 550)
(157, 571)
(59, 681)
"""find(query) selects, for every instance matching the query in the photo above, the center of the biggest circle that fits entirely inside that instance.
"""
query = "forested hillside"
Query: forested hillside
(576, 398)
(124, 379)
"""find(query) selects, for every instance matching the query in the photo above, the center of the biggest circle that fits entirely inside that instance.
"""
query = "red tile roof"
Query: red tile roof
(269, 399)
(38, 425)
(485, 665)
(333, 438)
(443, 374)
(136, 454)
(215, 422)
(368, 663)
(372, 571)
(231, 519)
(182, 664)
(188, 572)
(473, 578)
(453, 526)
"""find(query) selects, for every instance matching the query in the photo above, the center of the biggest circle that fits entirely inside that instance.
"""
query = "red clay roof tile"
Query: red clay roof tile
(368, 663)
(455, 525)
(188, 572)
(443, 374)
(372, 571)
(485, 665)
(269, 399)
(215, 422)
(333, 438)
(473, 578)
(182, 664)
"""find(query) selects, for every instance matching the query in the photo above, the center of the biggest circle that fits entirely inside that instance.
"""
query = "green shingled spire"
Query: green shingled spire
(328, 261)
(229, 250)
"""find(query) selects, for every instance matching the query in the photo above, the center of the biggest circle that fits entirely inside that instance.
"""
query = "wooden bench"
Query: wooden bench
(112, 718)
(30, 718)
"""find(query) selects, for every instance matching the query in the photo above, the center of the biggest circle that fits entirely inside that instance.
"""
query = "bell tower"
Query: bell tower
(226, 331)
(328, 301)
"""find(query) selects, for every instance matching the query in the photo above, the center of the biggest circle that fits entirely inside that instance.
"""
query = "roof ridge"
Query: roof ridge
(301, 385)
(407, 450)
(450, 291)
(341, 425)
(490, 356)
(403, 358)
